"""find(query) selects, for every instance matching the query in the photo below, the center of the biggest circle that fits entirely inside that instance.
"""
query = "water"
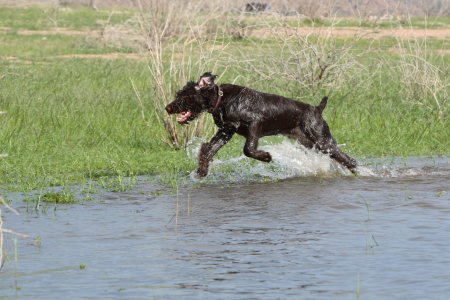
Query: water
(382, 235)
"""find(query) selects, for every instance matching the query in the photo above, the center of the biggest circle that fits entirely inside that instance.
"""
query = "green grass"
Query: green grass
(42, 47)
(63, 197)
(413, 22)
(72, 120)
(76, 118)
(41, 18)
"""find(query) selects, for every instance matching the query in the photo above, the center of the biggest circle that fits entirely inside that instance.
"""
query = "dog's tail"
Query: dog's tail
(322, 104)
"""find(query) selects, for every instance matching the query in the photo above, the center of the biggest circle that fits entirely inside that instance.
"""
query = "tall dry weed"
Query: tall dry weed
(425, 79)
(180, 46)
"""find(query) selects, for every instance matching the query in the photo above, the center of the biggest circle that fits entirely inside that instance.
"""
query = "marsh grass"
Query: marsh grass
(367, 205)
(358, 288)
(117, 183)
(65, 196)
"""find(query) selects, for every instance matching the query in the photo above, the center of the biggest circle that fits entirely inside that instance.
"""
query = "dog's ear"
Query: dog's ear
(206, 81)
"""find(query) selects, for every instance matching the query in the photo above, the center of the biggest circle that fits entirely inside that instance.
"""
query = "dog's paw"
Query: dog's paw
(267, 157)
(202, 172)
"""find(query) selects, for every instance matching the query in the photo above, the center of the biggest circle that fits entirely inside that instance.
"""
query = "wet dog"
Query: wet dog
(253, 114)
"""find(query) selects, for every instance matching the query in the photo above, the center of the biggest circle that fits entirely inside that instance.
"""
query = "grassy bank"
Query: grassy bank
(73, 118)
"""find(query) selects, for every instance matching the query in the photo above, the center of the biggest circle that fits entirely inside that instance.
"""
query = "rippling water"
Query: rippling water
(382, 235)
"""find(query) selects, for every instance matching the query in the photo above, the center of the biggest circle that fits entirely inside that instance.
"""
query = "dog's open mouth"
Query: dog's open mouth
(185, 117)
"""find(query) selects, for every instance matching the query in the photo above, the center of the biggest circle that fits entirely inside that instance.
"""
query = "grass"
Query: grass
(37, 47)
(75, 119)
(63, 197)
(395, 22)
(41, 18)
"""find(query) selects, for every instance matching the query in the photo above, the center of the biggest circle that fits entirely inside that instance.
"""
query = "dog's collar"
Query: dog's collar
(219, 99)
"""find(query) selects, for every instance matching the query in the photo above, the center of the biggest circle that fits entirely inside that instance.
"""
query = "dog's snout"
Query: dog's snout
(169, 109)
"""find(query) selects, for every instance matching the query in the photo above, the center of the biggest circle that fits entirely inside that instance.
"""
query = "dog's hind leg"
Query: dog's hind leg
(251, 145)
(327, 144)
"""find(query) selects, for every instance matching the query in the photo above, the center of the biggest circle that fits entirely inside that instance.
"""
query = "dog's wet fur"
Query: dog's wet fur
(253, 114)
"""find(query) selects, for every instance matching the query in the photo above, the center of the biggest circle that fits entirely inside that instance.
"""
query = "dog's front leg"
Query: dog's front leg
(208, 150)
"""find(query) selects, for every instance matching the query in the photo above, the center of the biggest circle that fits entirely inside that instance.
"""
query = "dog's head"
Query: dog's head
(193, 99)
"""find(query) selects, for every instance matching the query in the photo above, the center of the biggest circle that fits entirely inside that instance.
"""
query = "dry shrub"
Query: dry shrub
(307, 64)
(174, 20)
(156, 21)
(127, 35)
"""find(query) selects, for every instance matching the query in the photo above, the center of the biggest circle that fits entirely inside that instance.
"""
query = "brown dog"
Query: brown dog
(253, 114)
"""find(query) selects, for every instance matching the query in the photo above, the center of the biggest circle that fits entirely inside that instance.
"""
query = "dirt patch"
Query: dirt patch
(429, 51)
(282, 32)
(61, 31)
(114, 55)
(56, 31)
(9, 58)
(15, 59)
(444, 52)
(347, 32)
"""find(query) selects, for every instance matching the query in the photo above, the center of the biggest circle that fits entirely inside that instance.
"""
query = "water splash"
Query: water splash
(290, 160)
(193, 147)
(293, 160)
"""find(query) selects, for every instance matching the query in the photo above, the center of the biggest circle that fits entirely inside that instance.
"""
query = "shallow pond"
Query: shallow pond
(384, 235)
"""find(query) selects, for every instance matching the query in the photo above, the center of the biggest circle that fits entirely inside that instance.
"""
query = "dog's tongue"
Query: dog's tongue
(184, 116)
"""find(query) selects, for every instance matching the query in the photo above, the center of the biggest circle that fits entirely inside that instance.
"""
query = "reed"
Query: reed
(4, 230)
(179, 46)
(3, 155)
(424, 76)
